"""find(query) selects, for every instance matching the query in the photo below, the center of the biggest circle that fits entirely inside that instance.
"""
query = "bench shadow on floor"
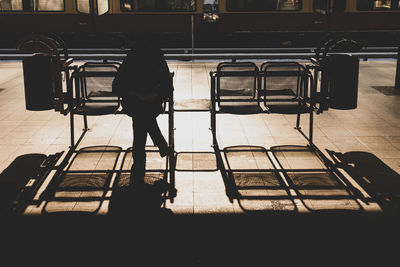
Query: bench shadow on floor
(139, 230)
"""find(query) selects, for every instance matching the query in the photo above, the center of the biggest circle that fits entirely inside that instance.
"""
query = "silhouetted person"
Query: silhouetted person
(144, 83)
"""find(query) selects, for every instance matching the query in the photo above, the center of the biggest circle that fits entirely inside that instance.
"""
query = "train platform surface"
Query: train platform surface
(203, 226)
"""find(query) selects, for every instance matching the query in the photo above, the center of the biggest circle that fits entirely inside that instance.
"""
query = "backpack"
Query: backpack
(135, 75)
(120, 85)
(141, 76)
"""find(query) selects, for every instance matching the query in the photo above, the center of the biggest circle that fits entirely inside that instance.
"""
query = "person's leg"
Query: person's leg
(139, 153)
(155, 133)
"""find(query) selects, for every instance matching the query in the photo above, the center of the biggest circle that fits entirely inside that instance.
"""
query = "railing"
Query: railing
(210, 53)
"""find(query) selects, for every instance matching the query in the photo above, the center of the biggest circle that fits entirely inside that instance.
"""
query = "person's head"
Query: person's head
(146, 48)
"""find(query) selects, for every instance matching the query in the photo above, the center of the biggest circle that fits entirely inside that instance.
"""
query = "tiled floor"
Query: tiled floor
(201, 233)
(373, 127)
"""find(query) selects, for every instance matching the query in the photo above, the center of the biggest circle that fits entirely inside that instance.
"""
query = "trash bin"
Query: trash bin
(342, 71)
(38, 82)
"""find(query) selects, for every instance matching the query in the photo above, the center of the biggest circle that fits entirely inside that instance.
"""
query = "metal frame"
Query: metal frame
(201, 109)
(226, 53)
(79, 97)
(304, 99)
(74, 99)
(307, 97)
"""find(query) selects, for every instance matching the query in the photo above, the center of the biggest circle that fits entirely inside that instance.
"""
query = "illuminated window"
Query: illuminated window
(385, 4)
(158, 5)
(210, 6)
(262, 5)
(50, 5)
(83, 6)
(102, 6)
(31, 5)
(288, 5)
(9, 5)
(320, 6)
(366, 5)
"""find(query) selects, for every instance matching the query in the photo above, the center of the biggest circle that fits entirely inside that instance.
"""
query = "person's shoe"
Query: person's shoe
(166, 150)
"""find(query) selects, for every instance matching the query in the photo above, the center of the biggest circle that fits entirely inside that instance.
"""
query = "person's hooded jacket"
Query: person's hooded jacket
(143, 80)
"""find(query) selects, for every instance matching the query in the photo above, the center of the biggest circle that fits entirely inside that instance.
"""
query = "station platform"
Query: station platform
(202, 226)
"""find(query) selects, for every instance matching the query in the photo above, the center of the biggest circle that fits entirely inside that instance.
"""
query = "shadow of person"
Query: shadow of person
(144, 200)
(140, 226)
(375, 176)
